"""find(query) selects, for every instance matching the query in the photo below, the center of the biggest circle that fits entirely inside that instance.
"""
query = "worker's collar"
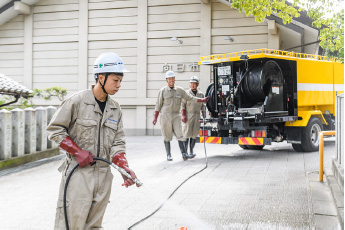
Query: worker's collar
(169, 88)
(194, 90)
(190, 90)
(90, 99)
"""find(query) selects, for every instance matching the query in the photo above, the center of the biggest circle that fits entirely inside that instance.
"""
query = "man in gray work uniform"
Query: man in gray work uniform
(89, 123)
(190, 113)
(169, 104)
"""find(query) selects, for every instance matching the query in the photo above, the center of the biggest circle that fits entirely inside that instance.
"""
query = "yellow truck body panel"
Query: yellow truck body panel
(319, 80)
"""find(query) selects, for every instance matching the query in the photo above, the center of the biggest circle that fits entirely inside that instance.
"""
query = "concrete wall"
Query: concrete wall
(338, 160)
(58, 42)
(23, 133)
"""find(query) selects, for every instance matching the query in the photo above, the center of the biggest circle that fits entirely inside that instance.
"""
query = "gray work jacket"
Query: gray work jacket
(80, 118)
(169, 100)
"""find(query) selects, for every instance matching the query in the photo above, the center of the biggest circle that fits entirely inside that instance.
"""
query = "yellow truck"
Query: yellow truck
(262, 96)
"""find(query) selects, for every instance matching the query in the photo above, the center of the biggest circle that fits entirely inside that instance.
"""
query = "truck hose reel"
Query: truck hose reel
(257, 81)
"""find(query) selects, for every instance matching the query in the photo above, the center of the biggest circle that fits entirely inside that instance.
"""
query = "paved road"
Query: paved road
(240, 189)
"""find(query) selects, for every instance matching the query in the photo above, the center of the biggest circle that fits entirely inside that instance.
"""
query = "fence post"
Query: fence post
(30, 130)
(41, 129)
(17, 132)
(5, 134)
(340, 129)
(50, 113)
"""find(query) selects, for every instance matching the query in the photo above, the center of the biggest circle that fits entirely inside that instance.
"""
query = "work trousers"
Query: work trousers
(171, 125)
(88, 195)
(191, 128)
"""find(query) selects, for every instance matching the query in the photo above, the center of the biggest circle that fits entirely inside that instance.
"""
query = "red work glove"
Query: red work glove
(205, 99)
(120, 160)
(155, 116)
(183, 115)
(83, 157)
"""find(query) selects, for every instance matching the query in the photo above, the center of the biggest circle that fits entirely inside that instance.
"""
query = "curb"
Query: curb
(324, 210)
(337, 194)
(18, 161)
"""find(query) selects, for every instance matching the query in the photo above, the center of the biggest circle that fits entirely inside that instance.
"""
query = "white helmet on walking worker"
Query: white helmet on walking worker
(194, 79)
(108, 63)
(169, 74)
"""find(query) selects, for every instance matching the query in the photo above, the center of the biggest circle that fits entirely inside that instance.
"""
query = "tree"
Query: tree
(328, 18)
(47, 94)
(331, 24)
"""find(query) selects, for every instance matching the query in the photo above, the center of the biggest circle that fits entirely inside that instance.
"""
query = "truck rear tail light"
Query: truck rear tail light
(259, 133)
(206, 133)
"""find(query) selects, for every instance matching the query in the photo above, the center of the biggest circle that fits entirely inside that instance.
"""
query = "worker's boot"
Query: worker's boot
(183, 149)
(167, 149)
(192, 144)
(186, 144)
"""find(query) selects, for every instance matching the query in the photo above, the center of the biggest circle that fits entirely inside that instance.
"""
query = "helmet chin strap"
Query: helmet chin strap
(105, 80)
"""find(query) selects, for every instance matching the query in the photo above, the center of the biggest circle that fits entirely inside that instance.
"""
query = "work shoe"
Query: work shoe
(192, 144)
(185, 156)
(186, 144)
(167, 149)
(184, 153)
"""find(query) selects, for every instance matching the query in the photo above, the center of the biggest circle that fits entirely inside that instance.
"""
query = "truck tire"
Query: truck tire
(310, 135)
(243, 146)
(298, 147)
(255, 147)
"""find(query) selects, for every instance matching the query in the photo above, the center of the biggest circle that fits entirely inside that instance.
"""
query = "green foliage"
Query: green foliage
(328, 18)
(261, 9)
(49, 93)
(22, 103)
(332, 30)
(46, 94)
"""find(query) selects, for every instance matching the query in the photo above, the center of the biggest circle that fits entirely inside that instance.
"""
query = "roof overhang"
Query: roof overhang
(11, 87)
(11, 8)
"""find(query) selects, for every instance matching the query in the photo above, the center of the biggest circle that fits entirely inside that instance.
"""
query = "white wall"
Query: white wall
(113, 28)
(246, 32)
(55, 44)
(12, 48)
(165, 20)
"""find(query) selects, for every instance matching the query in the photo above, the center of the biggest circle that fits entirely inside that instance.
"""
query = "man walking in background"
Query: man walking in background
(169, 104)
(190, 113)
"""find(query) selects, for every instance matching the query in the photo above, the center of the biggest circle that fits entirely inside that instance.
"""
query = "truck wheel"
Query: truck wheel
(255, 147)
(298, 147)
(243, 146)
(310, 135)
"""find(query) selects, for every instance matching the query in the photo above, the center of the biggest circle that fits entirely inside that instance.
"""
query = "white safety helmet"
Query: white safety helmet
(109, 63)
(169, 74)
(194, 79)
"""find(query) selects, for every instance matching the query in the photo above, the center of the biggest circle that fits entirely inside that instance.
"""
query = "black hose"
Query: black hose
(98, 158)
(206, 163)
(66, 185)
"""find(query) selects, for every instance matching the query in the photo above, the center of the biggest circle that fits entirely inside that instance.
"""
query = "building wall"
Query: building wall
(12, 48)
(246, 32)
(57, 44)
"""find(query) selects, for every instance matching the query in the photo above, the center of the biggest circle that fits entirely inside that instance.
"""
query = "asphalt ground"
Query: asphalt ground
(240, 189)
